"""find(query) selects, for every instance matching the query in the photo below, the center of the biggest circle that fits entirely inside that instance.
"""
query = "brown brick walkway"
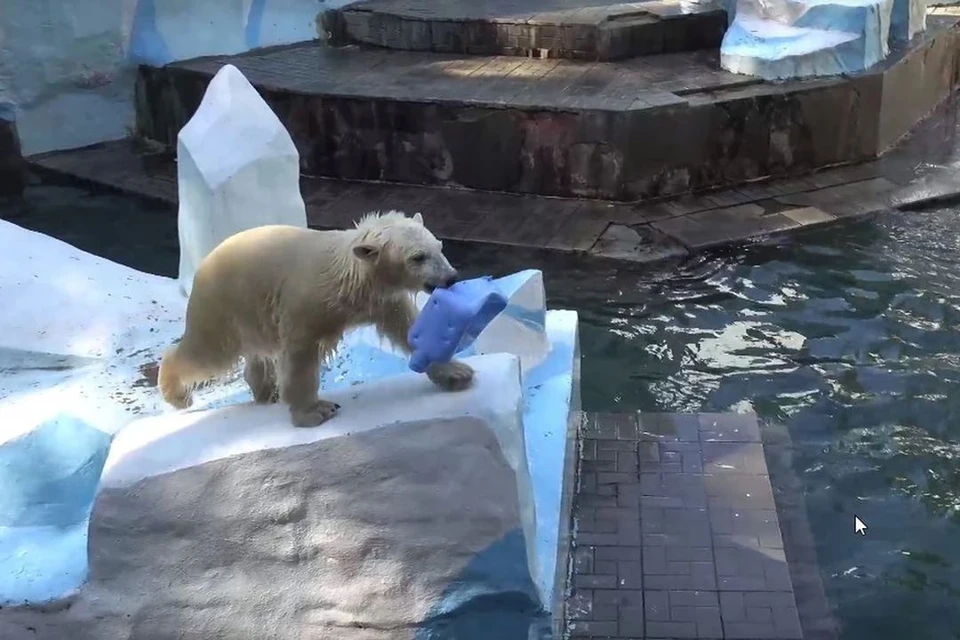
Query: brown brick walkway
(676, 533)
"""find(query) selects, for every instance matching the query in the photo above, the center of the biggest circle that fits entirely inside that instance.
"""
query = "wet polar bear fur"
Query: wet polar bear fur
(282, 297)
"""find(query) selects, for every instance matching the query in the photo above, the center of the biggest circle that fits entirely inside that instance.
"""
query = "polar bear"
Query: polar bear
(283, 296)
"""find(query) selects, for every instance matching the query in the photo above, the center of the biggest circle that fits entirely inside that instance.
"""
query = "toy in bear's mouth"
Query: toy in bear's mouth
(452, 318)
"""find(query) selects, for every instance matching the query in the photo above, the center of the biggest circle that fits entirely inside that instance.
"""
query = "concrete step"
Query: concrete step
(575, 29)
(635, 129)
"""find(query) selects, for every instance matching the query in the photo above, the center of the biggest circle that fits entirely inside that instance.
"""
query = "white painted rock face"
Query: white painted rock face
(60, 301)
(806, 38)
(237, 168)
(79, 334)
(354, 537)
(360, 535)
(163, 444)
(49, 477)
(909, 18)
(521, 328)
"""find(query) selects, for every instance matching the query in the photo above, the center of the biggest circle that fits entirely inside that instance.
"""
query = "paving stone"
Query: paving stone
(728, 427)
(657, 605)
(595, 582)
(618, 553)
(697, 599)
(701, 576)
(670, 427)
(733, 458)
(749, 630)
(739, 491)
(583, 560)
(592, 628)
(671, 630)
(630, 575)
(580, 605)
(760, 525)
(674, 490)
(605, 568)
(807, 216)
(631, 622)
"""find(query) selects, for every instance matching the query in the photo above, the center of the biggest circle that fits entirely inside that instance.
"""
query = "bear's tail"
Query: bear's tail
(178, 376)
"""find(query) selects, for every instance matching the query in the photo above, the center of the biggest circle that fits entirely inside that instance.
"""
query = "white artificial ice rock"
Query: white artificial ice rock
(83, 335)
(784, 39)
(70, 65)
(237, 168)
(168, 442)
(81, 345)
(520, 329)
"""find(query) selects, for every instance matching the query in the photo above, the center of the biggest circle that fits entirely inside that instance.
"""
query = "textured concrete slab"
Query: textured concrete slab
(676, 532)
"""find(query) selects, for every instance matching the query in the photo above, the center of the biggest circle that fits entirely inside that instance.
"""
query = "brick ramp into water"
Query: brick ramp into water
(677, 533)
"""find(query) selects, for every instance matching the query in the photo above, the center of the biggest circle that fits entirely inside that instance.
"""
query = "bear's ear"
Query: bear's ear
(366, 252)
(418, 218)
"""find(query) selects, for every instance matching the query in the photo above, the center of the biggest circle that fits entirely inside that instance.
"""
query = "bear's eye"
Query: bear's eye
(418, 258)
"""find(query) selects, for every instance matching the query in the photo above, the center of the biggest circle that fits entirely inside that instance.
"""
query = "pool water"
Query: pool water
(848, 336)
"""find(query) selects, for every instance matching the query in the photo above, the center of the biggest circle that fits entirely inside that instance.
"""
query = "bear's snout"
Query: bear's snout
(451, 280)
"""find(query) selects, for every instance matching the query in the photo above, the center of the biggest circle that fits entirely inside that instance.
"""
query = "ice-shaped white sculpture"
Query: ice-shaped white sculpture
(909, 18)
(520, 328)
(237, 168)
(806, 38)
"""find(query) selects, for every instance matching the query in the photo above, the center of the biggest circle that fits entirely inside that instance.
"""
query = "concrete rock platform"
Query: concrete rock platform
(676, 534)
(577, 29)
(656, 126)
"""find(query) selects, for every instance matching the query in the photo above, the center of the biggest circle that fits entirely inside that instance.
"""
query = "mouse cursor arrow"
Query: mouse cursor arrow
(858, 526)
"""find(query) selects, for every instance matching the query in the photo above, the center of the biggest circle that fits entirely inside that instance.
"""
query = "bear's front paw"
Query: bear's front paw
(451, 376)
(315, 414)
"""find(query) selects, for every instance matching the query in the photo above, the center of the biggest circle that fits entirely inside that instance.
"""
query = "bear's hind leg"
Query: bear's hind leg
(299, 385)
(261, 376)
(185, 365)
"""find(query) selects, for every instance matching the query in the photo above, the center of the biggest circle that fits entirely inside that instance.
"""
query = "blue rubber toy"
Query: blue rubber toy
(452, 319)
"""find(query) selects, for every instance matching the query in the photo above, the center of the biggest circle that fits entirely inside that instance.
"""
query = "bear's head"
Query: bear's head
(402, 253)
